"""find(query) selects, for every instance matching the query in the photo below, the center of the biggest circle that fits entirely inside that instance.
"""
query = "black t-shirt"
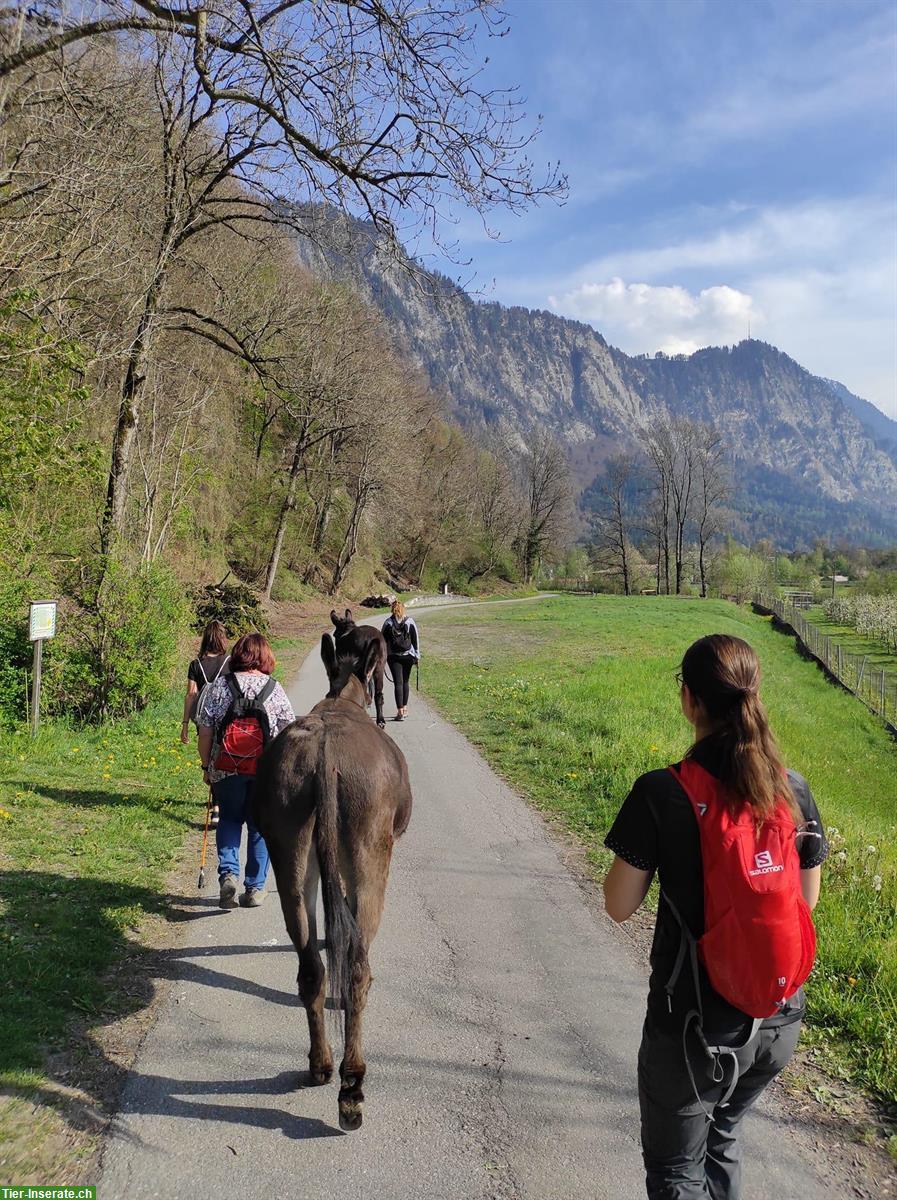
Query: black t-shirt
(656, 830)
(211, 664)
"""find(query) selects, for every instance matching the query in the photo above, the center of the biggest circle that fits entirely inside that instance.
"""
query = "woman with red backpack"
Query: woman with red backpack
(737, 844)
(238, 715)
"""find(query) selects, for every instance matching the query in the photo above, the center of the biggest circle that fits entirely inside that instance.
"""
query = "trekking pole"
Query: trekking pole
(417, 674)
(205, 841)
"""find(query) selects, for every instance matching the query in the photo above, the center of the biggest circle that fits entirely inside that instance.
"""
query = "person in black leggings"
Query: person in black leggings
(402, 652)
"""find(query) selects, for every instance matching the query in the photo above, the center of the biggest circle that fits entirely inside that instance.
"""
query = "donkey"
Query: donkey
(352, 639)
(331, 796)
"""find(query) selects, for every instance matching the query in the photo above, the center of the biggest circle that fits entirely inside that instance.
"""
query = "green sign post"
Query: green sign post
(41, 625)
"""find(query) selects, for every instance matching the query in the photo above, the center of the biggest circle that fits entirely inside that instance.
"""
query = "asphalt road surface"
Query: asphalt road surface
(501, 1030)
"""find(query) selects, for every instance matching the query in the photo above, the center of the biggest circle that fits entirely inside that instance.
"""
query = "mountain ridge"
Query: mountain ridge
(520, 369)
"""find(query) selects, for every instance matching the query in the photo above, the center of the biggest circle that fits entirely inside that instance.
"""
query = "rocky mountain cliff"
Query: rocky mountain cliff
(809, 458)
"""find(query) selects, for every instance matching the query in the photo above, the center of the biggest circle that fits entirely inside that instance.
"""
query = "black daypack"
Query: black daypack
(400, 638)
(245, 730)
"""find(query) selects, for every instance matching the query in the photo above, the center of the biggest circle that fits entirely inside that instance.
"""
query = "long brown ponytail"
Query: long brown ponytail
(723, 673)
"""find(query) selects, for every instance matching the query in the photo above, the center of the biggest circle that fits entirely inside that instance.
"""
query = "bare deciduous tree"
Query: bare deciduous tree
(613, 519)
(711, 493)
(659, 450)
(548, 494)
(374, 107)
(496, 506)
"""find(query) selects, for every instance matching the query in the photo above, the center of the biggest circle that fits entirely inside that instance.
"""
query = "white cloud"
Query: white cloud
(817, 233)
(640, 317)
(818, 280)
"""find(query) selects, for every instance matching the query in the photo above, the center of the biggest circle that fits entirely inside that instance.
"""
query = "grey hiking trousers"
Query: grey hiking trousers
(688, 1155)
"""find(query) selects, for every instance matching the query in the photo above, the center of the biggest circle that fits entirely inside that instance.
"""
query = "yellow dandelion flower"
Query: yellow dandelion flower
(4, 815)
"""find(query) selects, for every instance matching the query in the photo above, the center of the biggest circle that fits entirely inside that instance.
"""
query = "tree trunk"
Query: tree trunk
(666, 561)
(289, 503)
(150, 521)
(129, 406)
(126, 426)
(349, 546)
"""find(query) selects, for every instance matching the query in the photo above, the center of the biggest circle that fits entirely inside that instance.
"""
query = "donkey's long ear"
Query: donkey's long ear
(333, 617)
(328, 654)
(348, 614)
(371, 658)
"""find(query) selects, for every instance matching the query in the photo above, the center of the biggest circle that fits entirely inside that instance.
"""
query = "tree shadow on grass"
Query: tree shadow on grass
(70, 971)
(173, 808)
(61, 936)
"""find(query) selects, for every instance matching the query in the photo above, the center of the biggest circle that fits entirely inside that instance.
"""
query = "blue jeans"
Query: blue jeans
(233, 795)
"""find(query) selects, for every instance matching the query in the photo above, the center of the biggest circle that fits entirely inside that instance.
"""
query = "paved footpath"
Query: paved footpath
(502, 1030)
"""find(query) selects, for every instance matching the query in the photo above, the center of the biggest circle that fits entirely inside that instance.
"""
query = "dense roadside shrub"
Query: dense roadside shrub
(123, 641)
(16, 651)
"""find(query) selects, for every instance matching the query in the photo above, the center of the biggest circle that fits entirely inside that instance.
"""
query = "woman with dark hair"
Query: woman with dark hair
(211, 662)
(238, 715)
(734, 839)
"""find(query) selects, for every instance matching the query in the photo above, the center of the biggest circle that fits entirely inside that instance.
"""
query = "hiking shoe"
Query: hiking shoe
(399, 717)
(252, 898)
(227, 897)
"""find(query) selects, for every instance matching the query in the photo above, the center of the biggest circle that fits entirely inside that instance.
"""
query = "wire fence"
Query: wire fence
(875, 685)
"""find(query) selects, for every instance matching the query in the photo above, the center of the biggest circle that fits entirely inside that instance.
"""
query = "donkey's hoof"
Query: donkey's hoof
(350, 1116)
(318, 1076)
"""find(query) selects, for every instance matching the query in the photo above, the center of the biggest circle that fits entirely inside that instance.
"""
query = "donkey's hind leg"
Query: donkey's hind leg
(299, 903)
(366, 893)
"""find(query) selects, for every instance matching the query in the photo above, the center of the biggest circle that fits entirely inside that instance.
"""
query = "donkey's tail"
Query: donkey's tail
(341, 929)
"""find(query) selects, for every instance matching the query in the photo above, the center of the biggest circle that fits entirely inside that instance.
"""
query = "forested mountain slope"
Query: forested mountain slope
(809, 458)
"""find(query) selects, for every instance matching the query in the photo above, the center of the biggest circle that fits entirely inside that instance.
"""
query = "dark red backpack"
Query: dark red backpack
(759, 943)
(245, 729)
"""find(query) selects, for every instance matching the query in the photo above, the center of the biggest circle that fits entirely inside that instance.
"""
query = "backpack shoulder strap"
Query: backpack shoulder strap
(202, 671)
(221, 668)
(266, 690)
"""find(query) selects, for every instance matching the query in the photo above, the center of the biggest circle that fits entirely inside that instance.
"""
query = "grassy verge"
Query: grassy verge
(91, 822)
(572, 698)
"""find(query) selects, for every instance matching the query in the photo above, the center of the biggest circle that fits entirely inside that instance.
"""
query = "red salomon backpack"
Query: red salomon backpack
(759, 942)
(245, 730)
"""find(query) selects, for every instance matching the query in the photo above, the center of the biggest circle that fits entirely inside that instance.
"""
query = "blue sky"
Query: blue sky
(730, 161)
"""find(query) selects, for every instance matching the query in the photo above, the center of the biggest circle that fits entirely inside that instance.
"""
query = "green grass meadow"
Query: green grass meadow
(91, 823)
(571, 698)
